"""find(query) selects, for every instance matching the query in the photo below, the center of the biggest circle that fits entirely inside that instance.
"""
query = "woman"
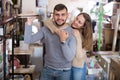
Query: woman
(82, 30)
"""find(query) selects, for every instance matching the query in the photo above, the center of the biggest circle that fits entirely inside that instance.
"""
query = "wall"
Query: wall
(71, 4)
(28, 6)
(51, 3)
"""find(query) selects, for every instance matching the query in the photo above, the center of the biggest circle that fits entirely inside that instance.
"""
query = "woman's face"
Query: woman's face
(78, 22)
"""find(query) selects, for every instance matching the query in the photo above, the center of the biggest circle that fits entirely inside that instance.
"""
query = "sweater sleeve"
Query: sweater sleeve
(69, 49)
(29, 38)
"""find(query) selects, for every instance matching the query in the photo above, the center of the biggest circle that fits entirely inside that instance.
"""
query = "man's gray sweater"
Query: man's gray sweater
(58, 55)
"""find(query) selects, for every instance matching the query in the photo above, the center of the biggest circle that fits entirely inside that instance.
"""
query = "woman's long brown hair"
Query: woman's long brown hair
(87, 35)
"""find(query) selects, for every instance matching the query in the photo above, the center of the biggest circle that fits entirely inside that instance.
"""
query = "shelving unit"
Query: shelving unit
(4, 37)
(7, 19)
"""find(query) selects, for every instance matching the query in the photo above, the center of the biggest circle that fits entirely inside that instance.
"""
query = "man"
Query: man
(60, 50)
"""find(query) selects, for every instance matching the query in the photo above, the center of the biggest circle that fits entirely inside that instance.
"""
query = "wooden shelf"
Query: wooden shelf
(18, 51)
(23, 70)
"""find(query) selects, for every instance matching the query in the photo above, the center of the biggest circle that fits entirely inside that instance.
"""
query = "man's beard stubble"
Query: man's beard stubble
(59, 24)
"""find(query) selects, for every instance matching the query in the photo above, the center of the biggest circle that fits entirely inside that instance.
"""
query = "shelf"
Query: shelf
(18, 51)
(23, 70)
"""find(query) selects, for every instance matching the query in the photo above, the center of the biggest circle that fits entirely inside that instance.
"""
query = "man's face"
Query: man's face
(60, 17)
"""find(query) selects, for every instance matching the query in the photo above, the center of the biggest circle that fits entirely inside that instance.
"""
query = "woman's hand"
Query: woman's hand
(76, 33)
(78, 36)
(63, 35)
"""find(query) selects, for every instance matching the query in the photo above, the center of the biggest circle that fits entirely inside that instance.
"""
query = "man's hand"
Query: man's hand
(63, 35)
(30, 20)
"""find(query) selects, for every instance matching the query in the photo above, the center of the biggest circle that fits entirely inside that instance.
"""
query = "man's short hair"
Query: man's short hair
(59, 7)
